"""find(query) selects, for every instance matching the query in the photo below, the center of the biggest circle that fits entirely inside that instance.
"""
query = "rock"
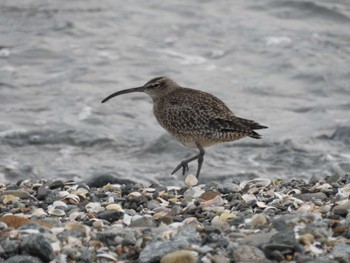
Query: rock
(258, 239)
(286, 237)
(144, 221)
(280, 224)
(156, 249)
(108, 237)
(180, 256)
(8, 248)
(229, 188)
(258, 220)
(341, 252)
(37, 245)
(247, 253)
(102, 180)
(110, 215)
(311, 196)
(332, 178)
(23, 259)
(56, 184)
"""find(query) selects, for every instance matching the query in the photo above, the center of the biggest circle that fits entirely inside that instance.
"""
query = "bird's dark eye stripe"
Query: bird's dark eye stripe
(155, 85)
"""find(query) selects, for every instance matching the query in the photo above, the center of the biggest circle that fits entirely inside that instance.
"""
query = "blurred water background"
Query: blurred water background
(283, 63)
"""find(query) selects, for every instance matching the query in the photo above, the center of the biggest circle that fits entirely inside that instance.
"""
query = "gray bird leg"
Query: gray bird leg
(184, 163)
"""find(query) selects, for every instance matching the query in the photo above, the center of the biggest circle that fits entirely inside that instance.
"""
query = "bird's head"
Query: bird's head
(155, 88)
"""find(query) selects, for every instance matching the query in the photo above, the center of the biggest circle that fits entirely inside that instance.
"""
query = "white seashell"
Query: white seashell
(29, 231)
(73, 216)
(63, 194)
(98, 224)
(110, 200)
(197, 191)
(57, 212)
(127, 219)
(56, 247)
(344, 192)
(226, 216)
(257, 182)
(59, 204)
(261, 204)
(191, 180)
(110, 256)
(94, 207)
(134, 195)
(72, 199)
(10, 199)
(114, 207)
(39, 212)
(170, 188)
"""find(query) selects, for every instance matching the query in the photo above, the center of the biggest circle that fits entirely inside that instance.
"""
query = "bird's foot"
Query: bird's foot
(184, 165)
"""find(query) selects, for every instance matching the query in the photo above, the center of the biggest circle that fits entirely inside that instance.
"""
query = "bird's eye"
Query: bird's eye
(156, 85)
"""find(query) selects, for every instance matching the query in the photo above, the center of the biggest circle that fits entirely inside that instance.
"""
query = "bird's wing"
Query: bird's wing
(238, 125)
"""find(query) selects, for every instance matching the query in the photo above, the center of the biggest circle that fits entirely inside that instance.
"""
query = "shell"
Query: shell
(114, 207)
(56, 212)
(191, 180)
(72, 199)
(10, 199)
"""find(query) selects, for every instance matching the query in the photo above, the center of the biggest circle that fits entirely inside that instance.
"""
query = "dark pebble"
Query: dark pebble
(8, 248)
(39, 246)
(102, 180)
(110, 215)
(340, 211)
(23, 259)
(286, 237)
(56, 184)
(311, 196)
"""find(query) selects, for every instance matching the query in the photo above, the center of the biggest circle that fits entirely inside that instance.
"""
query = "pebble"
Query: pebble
(37, 245)
(180, 256)
(247, 253)
(23, 259)
(250, 221)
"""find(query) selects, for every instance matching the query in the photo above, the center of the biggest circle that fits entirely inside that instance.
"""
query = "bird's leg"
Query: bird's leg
(184, 163)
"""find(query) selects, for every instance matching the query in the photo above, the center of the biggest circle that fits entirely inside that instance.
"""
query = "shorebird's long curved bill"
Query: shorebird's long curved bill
(138, 89)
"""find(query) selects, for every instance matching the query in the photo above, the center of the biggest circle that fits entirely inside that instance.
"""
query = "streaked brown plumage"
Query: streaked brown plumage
(195, 118)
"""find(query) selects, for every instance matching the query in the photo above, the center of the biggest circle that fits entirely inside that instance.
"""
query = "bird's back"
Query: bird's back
(192, 115)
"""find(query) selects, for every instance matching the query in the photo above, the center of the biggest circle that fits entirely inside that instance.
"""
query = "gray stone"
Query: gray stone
(229, 188)
(341, 252)
(310, 196)
(110, 215)
(109, 237)
(23, 259)
(286, 237)
(258, 239)
(143, 222)
(247, 253)
(8, 248)
(37, 245)
(156, 249)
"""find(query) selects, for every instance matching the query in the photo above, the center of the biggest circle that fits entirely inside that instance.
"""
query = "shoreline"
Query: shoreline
(258, 220)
